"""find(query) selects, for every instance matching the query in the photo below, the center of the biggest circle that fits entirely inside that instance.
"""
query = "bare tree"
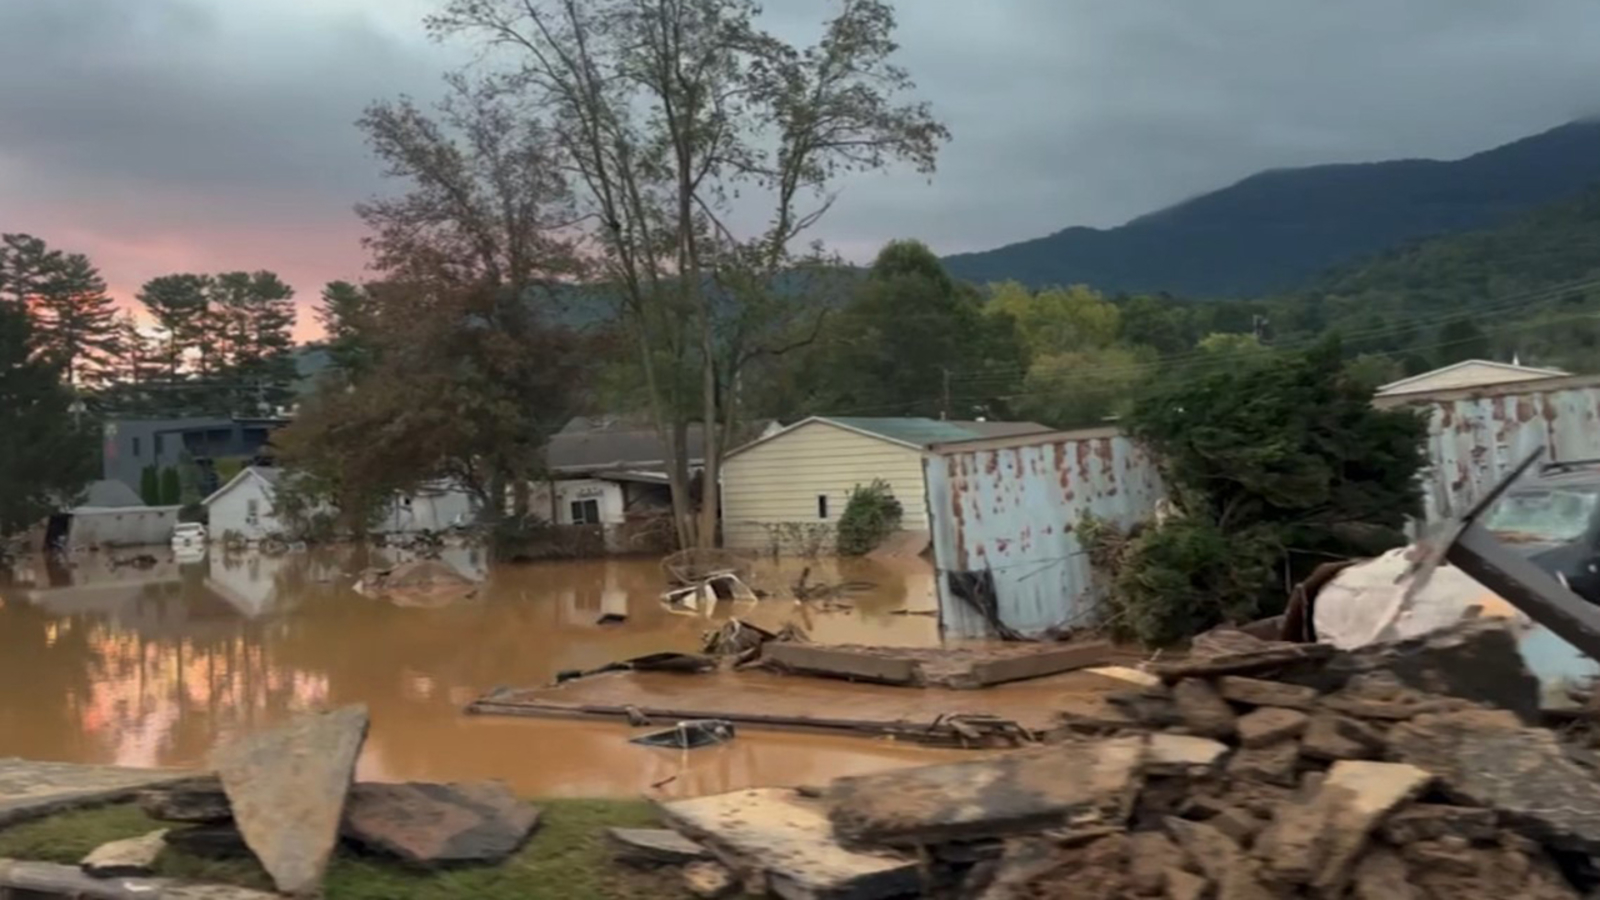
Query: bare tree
(669, 114)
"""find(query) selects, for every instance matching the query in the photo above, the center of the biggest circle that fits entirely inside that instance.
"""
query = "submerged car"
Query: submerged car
(188, 535)
(1554, 520)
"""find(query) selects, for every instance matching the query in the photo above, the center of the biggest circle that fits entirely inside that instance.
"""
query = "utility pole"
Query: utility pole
(944, 412)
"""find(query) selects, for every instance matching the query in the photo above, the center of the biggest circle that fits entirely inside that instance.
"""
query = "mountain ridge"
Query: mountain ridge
(1277, 229)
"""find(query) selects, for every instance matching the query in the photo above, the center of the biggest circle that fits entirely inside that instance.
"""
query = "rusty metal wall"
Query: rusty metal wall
(1476, 435)
(1010, 506)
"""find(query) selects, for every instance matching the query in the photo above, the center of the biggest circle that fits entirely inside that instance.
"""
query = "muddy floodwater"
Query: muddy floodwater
(151, 666)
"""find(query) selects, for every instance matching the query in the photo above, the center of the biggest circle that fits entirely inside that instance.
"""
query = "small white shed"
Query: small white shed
(245, 505)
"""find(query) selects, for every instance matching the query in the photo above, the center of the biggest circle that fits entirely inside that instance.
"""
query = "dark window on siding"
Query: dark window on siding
(136, 448)
(586, 512)
(822, 506)
(158, 446)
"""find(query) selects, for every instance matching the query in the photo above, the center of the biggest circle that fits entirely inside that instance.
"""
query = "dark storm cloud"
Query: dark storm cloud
(215, 133)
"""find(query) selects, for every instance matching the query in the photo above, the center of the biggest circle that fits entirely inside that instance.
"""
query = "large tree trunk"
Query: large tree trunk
(710, 496)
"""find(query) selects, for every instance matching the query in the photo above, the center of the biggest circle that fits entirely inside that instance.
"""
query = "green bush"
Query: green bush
(871, 515)
(1179, 579)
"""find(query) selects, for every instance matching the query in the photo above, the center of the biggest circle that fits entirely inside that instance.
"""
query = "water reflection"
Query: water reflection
(150, 666)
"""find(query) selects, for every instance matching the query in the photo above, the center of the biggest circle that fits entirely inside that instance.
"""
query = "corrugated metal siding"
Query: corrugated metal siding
(1475, 438)
(1010, 508)
(779, 481)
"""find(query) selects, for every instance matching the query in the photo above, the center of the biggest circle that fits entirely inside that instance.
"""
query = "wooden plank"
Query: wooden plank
(851, 665)
(1065, 658)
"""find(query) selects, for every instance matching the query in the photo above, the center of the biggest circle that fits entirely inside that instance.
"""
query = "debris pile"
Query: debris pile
(1249, 771)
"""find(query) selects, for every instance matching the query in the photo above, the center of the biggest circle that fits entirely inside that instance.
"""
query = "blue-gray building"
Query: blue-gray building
(129, 445)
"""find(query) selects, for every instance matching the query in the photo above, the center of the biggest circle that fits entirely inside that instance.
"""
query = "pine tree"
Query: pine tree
(347, 314)
(46, 459)
(77, 320)
(253, 314)
(178, 305)
(149, 486)
(171, 487)
(25, 265)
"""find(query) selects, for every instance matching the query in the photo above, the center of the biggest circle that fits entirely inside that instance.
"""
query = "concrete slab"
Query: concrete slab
(789, 837)
(1079, 784)
(755, 698)
(51, 880)
(30, 789)
(849, 664)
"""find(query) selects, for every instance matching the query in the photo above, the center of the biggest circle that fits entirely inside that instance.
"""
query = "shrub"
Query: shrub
(171, 487)
(871, 515)
(1177, 580)
(150, 486)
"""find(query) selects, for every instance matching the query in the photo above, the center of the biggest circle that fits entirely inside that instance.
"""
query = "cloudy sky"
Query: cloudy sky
(209, 135)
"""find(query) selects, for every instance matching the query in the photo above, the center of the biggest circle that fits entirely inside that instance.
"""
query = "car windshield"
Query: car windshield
(1544, 515)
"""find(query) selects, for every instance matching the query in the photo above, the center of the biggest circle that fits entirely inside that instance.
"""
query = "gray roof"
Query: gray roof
(110, 493)
(270, 473)
(593, 444)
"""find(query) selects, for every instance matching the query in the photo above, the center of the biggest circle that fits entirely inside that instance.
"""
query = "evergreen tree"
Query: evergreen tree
(46, 459)
(253, 321)
(178, 305)
(348, 316)
(77, 320)
(149, 486)
(26, 265)
(171, 487)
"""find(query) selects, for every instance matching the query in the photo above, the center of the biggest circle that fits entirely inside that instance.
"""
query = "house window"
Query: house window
(252, 510)
(135, 448)
(822, 506)
(586, 512)
(158, 446)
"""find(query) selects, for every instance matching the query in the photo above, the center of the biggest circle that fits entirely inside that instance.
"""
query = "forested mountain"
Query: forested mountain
(1275, 230)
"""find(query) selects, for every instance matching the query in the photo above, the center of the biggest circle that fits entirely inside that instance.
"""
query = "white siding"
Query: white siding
(779, 481)
(607, 494)
(230, 511)
(429, 509)
(122, 526)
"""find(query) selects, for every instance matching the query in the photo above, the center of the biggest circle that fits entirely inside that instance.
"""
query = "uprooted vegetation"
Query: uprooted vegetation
(1274, 465)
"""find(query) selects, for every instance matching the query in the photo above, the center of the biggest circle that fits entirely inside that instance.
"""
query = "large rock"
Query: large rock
(788, 837)
(199, 800)
(1486, 760)
(1203, 710)
(1270, 725)
(439, 824)
(125, 858)
(1477, 660)
(287, 789)
(31, 789)
(1087, 784)
(1257, 692)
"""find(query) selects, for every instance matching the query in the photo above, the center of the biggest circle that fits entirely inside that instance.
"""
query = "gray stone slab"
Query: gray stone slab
(789, 837)
(1082, 784)
(30, 789)
(54, 880)
(1521, 773)
(655, 846)
(287, 787)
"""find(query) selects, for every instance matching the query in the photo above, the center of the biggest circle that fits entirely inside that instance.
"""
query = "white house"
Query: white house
(244, 506)
(434, 507)
(792, 485)
(1469, 373)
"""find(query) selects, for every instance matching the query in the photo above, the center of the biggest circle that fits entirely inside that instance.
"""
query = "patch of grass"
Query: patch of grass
(568, 858)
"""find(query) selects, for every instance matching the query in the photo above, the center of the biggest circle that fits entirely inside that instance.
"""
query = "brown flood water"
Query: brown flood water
(151, 667)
